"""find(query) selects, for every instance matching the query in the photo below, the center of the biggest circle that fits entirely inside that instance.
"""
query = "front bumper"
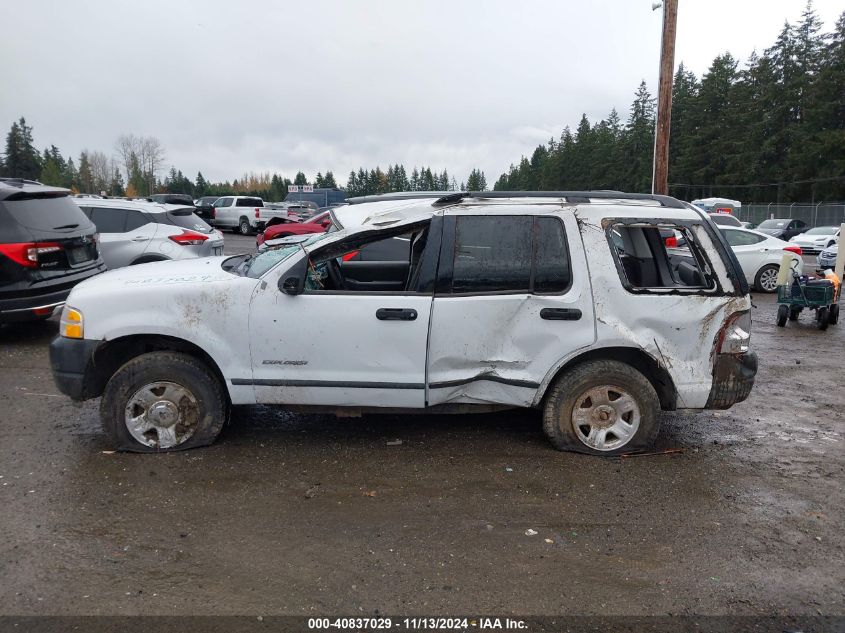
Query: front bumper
(69, 362)
(733, 377)
(826, 262)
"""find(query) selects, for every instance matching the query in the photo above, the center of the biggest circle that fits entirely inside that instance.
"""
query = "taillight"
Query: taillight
(189, 238)
(793, 249)
(27, 253)
(350, 255)
(672, 242)
(257, 213)
(735, 335)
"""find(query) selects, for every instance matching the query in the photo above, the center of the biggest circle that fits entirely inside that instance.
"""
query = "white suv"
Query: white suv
(566, 302)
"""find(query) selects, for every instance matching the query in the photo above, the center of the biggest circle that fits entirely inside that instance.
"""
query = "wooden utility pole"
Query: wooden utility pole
(660, 174)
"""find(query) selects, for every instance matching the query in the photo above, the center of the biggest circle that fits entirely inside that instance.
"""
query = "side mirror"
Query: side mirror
(291, 285)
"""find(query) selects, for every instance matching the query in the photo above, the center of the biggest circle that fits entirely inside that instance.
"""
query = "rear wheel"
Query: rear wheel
(243, 227)
(163, 401)
(833, 317)
(767, 278)
(783, 315)
(602, 408)
(822, 318)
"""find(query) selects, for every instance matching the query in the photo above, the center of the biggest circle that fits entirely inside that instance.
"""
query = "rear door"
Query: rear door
(750, 250)
(125, 234)
(513, 298)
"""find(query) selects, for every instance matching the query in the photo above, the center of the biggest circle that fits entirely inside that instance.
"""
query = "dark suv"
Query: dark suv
(47, 246)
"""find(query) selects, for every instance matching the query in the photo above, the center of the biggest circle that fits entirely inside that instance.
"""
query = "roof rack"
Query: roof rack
(443, 198)
(579, 197)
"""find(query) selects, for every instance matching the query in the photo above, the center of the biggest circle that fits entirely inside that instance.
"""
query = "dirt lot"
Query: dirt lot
(311, 515)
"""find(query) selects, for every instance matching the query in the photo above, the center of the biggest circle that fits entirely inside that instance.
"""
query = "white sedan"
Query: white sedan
(817, 239)
(760, 256)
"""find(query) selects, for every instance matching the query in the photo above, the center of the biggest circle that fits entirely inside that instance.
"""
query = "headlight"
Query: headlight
(71, 324)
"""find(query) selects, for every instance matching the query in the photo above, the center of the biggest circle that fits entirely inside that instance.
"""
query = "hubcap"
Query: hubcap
(768, 279)
(162, 414)
(605, 418)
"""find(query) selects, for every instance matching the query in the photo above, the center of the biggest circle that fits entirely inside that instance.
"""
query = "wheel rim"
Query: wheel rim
(244, 228)
(605, 418)
(769, 279)
(162, 414)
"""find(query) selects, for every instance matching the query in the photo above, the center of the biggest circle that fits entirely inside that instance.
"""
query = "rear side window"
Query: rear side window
(45, 213)
(109, 220)
(135, 220)
(510, 254)
(741, 238)
(249, 202)
(648, 260)
(186, 219)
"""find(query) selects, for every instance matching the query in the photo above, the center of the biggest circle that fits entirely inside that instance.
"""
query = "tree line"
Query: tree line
(771, 131)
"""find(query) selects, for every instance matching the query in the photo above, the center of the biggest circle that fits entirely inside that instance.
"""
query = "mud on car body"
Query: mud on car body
(566, 302)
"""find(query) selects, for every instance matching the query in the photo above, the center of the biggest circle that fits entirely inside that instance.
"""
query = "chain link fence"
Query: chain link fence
(821, 214)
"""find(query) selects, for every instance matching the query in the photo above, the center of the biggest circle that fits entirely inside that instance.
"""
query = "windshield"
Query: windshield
(256, 265)
(822, 230)
(773, 224)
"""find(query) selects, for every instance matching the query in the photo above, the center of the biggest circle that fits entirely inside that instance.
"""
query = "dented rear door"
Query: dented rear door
(513, 297)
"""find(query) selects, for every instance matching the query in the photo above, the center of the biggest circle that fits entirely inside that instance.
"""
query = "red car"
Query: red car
(282, 227)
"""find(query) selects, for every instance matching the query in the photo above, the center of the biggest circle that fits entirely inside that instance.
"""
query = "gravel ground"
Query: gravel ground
(311, 515)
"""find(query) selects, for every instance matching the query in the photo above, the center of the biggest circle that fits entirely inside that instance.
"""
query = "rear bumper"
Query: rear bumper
(69, 360)
(40, 300)
(733, 378)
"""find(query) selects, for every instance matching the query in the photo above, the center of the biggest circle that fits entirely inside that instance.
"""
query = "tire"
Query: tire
(833, 316)
(183, 389)
(603, 378)
(793, 313)
(784, 313)
(822, 318)
(766, 279)
(244, 227)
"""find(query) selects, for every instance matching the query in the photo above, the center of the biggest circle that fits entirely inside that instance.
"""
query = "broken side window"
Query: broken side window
(665, 256)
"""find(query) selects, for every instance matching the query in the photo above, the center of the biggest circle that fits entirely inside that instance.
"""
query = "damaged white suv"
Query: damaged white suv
(571, 303)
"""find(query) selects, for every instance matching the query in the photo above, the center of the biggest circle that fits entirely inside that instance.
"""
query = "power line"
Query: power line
(765, 184)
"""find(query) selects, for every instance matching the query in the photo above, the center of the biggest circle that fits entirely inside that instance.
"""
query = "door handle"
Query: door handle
(396, 314)
(560, 314)
(140, 238)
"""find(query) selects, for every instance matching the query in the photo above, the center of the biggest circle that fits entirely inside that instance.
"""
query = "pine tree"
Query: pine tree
(21, 159)
(300, 179)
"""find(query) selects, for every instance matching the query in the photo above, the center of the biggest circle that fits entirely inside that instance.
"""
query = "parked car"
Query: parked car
(133, 232)
(284, 227)
(783, 228)
(47, 246)
(817, 239)
(182, 199)
(760, 256)
(725, 219)
(495, 307)
(204, 208)
(244, 214)
(827, 258)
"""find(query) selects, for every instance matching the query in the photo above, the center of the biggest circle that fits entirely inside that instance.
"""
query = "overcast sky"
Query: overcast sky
(230, 87)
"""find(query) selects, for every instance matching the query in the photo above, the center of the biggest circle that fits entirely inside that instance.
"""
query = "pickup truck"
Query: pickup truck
(244, 214)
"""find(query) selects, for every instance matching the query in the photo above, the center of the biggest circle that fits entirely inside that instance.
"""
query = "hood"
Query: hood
(131, 278)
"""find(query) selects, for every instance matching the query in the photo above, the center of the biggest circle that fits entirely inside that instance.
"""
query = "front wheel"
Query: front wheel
(163, 401)
(822, 318)
(767, 278)
(833, 317)
(783, 315)
(602, 408)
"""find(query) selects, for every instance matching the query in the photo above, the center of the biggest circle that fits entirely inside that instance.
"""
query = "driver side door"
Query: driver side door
(361, 347)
